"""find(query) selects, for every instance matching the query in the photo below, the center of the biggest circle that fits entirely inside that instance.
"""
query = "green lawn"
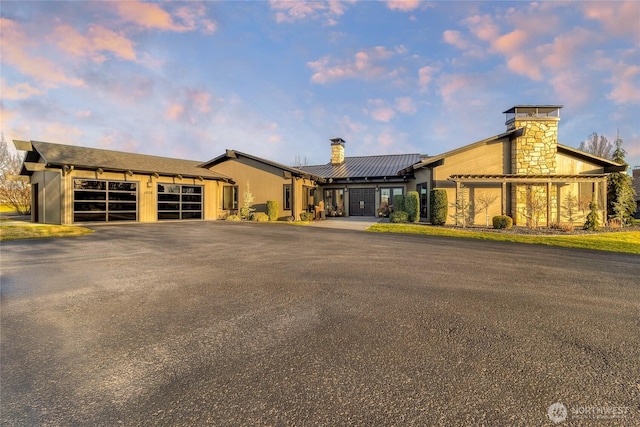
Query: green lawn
(40, 231)
(622, 241)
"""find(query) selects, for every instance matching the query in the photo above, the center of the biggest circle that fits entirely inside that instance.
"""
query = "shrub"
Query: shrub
(306, 216)
(593, 219)
(233, 218)
(273, 210)
(562, 226)
(412, 206)
(439, 206)
(260, 217)
(398, 202)
(398, 216)
(502, 221)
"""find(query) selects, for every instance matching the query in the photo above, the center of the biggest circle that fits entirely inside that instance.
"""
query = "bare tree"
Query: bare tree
(483, 201)
(15, 190)
(597, 145)
(300, 161)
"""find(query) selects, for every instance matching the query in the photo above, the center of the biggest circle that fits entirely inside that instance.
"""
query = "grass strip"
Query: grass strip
(40, 231)
(621, 241)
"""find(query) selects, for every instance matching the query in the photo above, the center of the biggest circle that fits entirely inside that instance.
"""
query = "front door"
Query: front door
(362, 202)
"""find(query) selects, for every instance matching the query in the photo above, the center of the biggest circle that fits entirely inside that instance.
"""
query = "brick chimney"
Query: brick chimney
(337, 151)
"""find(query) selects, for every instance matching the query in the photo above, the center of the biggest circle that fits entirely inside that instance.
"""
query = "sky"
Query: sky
(278, 79)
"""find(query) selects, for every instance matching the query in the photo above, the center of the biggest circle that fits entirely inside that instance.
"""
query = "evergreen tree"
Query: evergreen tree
(621, 202)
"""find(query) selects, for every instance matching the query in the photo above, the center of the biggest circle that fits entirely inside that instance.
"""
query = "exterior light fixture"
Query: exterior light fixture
(130, 173)
(100, 171)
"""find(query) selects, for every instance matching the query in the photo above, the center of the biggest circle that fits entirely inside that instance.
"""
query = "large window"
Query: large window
(95, 200)
(177, 201)
(230, 197)
(386, 195)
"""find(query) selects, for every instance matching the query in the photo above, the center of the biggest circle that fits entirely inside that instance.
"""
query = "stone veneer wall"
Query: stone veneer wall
(534, 153)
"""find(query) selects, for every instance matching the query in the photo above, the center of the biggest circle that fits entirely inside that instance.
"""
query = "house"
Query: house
(71, 184)
(524, 173)
(535, 179)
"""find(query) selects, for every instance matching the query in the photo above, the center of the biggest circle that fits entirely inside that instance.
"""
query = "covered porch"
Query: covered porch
(524, 196)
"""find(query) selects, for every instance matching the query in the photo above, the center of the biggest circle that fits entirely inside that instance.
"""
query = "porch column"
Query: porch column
(456, 203)
(503, 198)
(548, 203)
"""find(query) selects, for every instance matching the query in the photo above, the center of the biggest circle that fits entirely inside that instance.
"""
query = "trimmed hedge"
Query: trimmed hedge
(306, 216)
(502, 221)
(438, 206)
(412, 206)
(260, 217)
(398, 202)
(273, 210)
(233, 218)
(398, 217)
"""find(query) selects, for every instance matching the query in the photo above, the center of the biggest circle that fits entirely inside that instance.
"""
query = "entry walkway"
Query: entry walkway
(348, 223)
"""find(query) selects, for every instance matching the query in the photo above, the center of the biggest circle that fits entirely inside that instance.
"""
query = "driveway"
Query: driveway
(216, 323)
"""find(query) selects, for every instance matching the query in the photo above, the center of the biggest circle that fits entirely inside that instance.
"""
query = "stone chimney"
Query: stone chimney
(535, 151)
(337, 151)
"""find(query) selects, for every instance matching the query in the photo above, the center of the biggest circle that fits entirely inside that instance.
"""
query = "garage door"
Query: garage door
(179, 201)
(96, 200)
(362, 202)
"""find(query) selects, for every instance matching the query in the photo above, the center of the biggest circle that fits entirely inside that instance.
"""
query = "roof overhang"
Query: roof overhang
(530, 179)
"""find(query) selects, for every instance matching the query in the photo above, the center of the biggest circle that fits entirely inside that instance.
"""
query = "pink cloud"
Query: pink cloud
(453, 37)
(174, 112)
(97, 41)
(482, 27)
(425, 75)
(561, 53)
(406, 105)
(151, 16)
(291, 11)
(619, 18)
(525, 65)
(364, 65)
(510, 42)
(17, 47)
(626, 84)
(18, 91)
(403, 5)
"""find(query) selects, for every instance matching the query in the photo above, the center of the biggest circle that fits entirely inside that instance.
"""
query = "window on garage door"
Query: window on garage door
(95, 200)
(177, 201)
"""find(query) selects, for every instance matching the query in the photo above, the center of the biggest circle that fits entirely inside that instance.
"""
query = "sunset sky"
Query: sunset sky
(277, 79)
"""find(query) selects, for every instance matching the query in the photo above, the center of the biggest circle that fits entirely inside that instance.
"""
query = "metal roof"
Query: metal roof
(59, 155)
(365, 166)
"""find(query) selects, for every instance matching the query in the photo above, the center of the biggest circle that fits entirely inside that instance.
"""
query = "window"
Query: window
(177, 201)
(230, 197)
(95, 200)
(386, 195)
(334, 201)
(287, 197)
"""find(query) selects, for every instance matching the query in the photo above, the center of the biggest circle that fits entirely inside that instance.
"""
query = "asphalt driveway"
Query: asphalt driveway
(215, 323)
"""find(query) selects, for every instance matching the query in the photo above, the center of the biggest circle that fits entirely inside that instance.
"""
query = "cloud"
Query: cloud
(403, 5)
(16, 48)
(626, 84)
(618, 18)
(290, 11)
(365, 64)
(98, 40)
(153, 17)
(406, 105)
(425, 75)
(378, 111)
(190, 106)
(18, 91)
